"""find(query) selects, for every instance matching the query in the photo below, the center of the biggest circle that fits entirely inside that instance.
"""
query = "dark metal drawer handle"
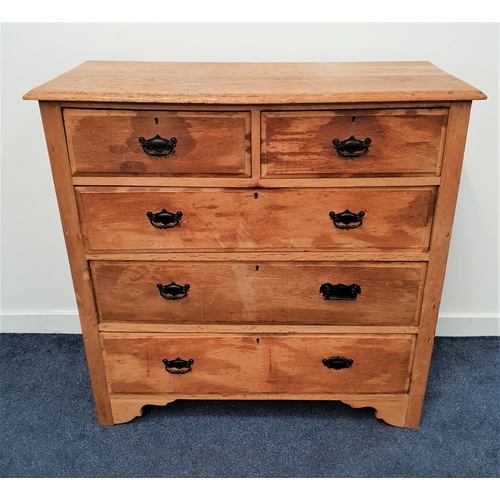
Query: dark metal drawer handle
(337, 363)
(157, 146)
(178, 366)
(164, 219)
(352, 147)
(173, 291)
(339, 292)
(347, 219)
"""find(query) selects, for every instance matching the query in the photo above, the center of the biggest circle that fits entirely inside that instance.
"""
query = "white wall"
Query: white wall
(37, 294)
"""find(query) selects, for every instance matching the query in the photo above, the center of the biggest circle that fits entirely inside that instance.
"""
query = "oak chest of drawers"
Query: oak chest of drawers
(257, 231)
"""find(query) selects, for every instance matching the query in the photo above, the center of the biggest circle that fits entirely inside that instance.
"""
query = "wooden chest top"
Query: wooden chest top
(255, 83)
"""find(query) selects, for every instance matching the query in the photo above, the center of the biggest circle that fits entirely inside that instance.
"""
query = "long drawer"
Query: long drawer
(125, 143)
(198, 219)
(339, 293)
(221, 364)
(353, 143)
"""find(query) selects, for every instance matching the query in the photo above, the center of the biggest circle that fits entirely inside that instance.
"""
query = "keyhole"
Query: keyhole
(256, 268)
(257, 340)
(353, 119)
(256, 195)
(156, 121)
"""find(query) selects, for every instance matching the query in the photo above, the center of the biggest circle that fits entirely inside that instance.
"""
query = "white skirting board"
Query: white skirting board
(62, 322)
(68, 322)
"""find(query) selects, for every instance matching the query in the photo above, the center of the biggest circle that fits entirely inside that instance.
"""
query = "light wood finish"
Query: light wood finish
(235, 219)
(262, 292)
(56, 146)
(268, 363)
(255, 83)
(441, 235)
(252, 107)
(257, 183)
(403, 142)
(129, 327)
(382, 256)
(389, 407)
(208, 144)
(255, 147)
(256, 176)
(391, 410)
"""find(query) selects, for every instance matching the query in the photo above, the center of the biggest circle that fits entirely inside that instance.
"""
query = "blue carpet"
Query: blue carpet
(49, 427)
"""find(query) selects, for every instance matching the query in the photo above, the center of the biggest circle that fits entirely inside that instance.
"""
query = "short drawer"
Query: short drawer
(107, 142)
(353, 143)
(231, 363)
(339, 293)
(180, 219)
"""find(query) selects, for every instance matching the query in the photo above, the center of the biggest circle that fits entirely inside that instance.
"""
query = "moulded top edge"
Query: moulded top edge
(254, 83)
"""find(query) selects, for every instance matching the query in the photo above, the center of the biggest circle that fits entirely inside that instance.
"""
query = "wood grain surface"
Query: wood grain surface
(56, 146)
(106, 142)
(440, 243)
(391, 408)
(403, 142)
(246, 364)
(114, 219)
(255, 83)
(259, 292)
(129, 327)
(240, 182)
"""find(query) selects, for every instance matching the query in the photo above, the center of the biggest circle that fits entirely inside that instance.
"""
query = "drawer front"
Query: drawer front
(106, 142)
(259, 292)
(233, 363)
(402, 142)
(243, 219)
